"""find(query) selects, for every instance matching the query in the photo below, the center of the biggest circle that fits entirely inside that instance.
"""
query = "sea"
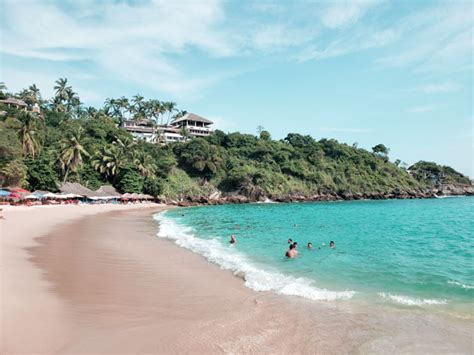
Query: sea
(403, 253)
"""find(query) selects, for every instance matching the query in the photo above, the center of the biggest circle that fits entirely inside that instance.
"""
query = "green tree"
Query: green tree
(72, 152)
(380, 149)
(130, 180)
(144, 164)
(28, 133)
(109, 161)
(13, 173)
(41, 174)
(265, 136)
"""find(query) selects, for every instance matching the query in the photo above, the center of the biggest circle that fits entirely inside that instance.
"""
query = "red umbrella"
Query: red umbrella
(19, 190)
(14, 195)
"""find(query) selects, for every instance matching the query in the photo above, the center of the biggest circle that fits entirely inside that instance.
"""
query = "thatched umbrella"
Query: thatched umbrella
(107, 191)
(75, 188)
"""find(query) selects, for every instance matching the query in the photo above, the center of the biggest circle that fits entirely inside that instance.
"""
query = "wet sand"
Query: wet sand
(105, 283)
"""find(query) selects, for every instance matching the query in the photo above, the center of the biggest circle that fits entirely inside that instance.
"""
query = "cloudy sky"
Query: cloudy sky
(396, 72)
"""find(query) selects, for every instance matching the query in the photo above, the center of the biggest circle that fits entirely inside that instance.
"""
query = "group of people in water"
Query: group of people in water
(292, 252)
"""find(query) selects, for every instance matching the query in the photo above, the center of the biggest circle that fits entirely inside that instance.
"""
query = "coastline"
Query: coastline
(78, 282)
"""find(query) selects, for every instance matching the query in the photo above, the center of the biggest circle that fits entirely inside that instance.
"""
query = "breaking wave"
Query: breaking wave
(255, 277)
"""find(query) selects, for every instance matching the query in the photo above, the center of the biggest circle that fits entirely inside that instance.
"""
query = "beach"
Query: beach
(96, 279)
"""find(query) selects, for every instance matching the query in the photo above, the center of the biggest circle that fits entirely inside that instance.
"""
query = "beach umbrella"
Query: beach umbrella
(14, 195)
(4, 193)
(31, 197)
(19, 190)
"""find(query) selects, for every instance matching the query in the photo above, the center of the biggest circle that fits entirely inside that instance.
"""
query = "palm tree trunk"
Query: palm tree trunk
(65, 175)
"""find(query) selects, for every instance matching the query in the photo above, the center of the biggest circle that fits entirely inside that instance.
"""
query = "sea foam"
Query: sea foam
(229, 258)
(467, 287)
(411, 301)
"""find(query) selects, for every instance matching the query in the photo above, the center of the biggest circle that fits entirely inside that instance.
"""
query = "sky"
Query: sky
(392, 72)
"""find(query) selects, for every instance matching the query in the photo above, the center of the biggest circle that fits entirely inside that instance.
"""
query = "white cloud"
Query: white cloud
(422, 109)
(435, 39)
(344, 13)
(350, 43)
(129, 42)
(438, 88)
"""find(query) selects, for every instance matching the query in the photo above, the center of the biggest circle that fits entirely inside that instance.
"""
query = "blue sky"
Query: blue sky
(400, 73)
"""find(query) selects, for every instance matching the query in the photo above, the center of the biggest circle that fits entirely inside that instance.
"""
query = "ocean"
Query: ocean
(403, 253)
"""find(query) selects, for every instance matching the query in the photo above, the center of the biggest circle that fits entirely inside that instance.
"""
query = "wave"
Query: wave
(411, 301)
(230, 259)
(267, 200)
(467, 287)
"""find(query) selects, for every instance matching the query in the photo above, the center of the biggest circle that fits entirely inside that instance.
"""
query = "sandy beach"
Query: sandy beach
(96, 279)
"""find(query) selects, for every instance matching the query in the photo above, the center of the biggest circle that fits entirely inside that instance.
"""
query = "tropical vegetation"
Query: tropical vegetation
(70, 142)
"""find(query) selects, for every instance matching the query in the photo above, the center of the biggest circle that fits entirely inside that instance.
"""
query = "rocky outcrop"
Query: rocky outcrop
(218, 198)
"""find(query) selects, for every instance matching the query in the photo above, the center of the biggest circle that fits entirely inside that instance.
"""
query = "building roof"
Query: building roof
(75, 188)
(192, 117)
(14, 101)
(107, 190)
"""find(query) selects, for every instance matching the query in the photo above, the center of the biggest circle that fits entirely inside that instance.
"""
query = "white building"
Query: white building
(143, 130)
(195, 126)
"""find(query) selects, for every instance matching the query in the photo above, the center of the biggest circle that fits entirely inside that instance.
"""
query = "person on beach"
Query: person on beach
(292, 252)
(232, 240)
(331, 244)
(310, 245)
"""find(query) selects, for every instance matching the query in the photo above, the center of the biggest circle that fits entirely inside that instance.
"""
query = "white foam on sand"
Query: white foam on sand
(230, 259)
(411, 301)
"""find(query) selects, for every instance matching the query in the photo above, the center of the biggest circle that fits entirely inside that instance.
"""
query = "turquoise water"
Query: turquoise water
(410, 252)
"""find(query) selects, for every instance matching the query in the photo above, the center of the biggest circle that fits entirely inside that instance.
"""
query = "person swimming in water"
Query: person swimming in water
(232, 239)
(331, 244)
(295, 244)
(292, 252)
(290, 241)
(310, 245)
(236, 226)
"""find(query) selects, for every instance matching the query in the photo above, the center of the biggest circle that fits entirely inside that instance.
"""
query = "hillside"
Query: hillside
(71, 143)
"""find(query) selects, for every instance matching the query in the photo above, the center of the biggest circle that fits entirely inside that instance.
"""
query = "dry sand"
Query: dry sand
(78, 281)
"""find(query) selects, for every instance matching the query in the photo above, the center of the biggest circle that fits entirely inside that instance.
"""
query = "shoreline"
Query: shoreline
(190, 201)
(106, 283)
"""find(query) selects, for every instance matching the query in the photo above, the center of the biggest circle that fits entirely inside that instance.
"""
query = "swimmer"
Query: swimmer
(295, 244)
(310, 246)
(290, 241)
(291, 253)
(331, 244)
(236, 226)
(232, 239)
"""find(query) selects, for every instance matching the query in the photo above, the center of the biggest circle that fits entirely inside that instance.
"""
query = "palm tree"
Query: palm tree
(35, 94)
(156, 109)
(169, 107)
(61, 89)
(138, 107)
(184, 132)
(145, 165)
(28, 133)
(3, 87)
(126, 144)
(108, 161)
(123, 106)
(72, 151)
